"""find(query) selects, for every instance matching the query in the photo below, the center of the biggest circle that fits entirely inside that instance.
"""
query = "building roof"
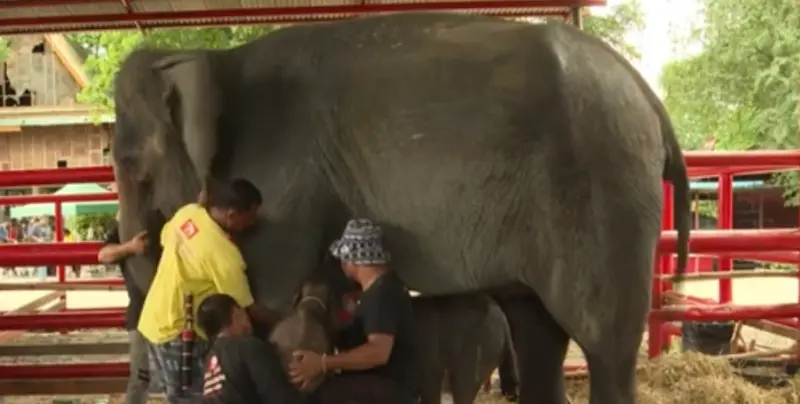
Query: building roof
(35, 16)
(66, 53)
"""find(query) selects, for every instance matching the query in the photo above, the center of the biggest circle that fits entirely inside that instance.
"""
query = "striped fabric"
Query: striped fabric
(361, 243)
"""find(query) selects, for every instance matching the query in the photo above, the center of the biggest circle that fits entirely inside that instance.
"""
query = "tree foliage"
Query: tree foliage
(4, 49)
(742, 88)
(615, 24)
(106, 51)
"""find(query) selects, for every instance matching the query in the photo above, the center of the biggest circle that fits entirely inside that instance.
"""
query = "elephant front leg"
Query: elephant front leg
(541, 346)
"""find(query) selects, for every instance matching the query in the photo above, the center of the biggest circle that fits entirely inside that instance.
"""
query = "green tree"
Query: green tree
(742, 88)
(615, 23)
(3, 49)
(106, 51)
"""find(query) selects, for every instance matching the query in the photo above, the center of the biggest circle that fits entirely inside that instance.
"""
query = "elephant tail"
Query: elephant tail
(675, 172)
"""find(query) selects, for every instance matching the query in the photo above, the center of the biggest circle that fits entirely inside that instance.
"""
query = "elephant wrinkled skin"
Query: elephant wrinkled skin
(521, 160)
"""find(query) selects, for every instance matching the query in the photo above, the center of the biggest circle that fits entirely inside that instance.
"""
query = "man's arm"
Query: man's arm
(380, 325)
(227, 274)
(265, 370)
(113, 251)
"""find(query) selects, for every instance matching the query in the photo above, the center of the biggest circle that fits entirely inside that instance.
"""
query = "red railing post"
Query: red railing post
(725, 222)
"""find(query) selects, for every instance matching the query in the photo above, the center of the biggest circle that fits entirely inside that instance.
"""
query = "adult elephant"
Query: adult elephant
(524, 160)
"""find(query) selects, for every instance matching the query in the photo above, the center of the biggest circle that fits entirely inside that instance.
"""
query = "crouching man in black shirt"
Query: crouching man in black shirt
(377, 364)
(240, 368)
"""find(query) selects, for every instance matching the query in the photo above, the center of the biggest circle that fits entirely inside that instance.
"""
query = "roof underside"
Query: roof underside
(36, 16)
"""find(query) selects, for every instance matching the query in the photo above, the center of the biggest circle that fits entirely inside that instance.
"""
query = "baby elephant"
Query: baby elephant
(461, 336)
(310, 326)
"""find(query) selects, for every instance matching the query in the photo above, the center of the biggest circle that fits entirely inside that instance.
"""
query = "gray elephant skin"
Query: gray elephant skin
(460, 340)
(525, 161)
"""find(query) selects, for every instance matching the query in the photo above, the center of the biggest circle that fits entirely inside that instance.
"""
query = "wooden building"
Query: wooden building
(42, 125)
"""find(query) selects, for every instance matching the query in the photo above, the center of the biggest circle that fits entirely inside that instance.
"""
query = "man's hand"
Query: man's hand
(305, 367)
(138, 244)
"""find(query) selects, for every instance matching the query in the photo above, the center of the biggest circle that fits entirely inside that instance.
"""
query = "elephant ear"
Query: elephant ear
(193, 96)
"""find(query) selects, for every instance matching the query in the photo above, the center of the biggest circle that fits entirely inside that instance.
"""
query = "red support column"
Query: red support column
(725, 222)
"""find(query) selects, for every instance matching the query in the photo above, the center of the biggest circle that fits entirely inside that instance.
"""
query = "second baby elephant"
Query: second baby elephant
(462, 337)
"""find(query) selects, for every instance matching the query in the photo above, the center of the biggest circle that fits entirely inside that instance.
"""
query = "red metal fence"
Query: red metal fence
(772, 245)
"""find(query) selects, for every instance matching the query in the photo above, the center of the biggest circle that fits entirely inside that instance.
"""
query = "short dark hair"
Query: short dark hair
(238, 194)
(215, 313)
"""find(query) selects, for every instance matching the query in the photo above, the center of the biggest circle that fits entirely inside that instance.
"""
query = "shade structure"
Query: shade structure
(69, 208)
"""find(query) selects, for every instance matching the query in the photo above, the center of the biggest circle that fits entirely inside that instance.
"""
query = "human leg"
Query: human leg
(166, 360)
(139, 377)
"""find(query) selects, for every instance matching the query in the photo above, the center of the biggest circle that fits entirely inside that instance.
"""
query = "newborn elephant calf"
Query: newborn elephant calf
(461, 336)
(309, 327)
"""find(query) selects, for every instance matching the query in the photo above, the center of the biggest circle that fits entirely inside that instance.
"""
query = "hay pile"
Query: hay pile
(696, 379)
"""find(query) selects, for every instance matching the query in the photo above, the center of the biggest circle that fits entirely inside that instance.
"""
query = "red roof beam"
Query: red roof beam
(129, 10)
(49, 3)
(352, 9)
(493, 4)
(228, 23)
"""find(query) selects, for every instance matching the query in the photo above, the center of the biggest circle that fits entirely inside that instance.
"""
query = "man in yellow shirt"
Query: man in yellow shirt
(198, 258)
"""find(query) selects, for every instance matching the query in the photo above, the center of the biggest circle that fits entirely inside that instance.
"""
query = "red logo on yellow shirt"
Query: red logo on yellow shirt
(189, 229)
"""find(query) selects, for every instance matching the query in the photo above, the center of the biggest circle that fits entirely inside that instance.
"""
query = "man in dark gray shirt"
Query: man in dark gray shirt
(376, 357)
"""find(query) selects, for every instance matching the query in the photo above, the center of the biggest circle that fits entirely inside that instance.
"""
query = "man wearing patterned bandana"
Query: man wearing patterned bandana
(378, 365)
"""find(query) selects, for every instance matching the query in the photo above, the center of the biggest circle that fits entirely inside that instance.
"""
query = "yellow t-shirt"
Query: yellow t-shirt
(198, 258)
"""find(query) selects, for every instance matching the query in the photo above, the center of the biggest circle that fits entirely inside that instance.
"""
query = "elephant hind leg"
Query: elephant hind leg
(541, 346)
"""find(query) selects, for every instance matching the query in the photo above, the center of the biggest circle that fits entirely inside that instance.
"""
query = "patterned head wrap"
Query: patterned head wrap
(361, 243)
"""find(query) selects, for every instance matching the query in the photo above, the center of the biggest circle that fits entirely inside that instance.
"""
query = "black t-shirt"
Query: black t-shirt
(245, 370)
(135, 296)
(385, 308)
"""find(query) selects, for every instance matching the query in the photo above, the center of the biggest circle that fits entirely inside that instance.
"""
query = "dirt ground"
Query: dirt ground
(746, 291)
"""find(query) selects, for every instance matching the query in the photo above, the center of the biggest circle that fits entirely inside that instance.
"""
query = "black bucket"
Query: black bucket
(712, 338)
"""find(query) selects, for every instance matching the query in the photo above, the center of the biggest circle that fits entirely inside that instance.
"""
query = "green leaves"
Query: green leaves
(106, 51)
(742, 88)
(619, 21)
(3, 49)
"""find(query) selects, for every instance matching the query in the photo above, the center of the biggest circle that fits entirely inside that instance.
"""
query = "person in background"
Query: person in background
(240, 368)
(39, 232)
(14, 230)
(11, 236)
(4, 232)
(69, 237)
(200, 259)
(115, 252)
(377, 360)
(5, 239)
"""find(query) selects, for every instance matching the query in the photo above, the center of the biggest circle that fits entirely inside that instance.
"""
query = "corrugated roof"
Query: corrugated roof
(33, 16)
